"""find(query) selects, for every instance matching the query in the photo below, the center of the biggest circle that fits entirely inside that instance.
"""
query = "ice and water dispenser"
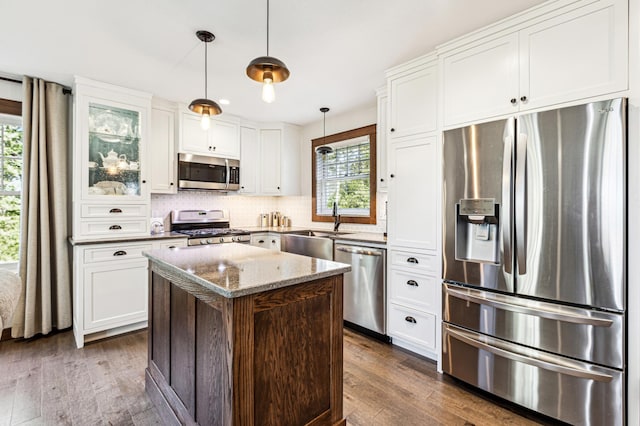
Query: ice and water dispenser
(477, 230)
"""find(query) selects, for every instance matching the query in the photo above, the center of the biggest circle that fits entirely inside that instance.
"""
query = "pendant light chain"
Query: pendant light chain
(267, 27)
(205, 71)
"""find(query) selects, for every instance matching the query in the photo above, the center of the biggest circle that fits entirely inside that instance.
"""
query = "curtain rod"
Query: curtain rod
(65, 90)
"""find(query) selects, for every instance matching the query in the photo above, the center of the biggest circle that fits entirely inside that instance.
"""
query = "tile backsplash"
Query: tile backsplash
(245, 210)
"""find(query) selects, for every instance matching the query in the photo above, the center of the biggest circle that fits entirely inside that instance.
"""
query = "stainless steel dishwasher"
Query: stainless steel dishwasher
(365, 286)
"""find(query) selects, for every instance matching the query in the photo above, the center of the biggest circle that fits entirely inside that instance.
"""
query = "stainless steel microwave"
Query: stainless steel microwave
(208, 173)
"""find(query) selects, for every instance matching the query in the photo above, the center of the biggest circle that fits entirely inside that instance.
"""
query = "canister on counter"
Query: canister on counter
(264, 220)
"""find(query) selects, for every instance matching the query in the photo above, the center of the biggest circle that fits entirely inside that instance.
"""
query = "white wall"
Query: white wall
(10, 90)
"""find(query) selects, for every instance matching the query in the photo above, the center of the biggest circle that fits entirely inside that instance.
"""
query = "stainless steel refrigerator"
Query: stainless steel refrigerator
(534, 292)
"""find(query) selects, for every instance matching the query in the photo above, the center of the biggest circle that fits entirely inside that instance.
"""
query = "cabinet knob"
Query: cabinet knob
(278, 188)
(144, 181)
(171, 184)
(242, 187)
(273, 241)
(381, 179)
(392, 175)
(412, 320)
(513, 101)
(523, 99)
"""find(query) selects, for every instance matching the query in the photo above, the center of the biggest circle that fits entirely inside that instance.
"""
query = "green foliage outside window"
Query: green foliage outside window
(10, 187)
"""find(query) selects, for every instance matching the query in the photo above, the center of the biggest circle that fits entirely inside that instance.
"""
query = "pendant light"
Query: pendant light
(324, 149)
(205, 106)
(267, 70)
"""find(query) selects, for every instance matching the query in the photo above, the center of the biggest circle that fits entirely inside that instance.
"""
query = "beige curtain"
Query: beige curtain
(45, 299)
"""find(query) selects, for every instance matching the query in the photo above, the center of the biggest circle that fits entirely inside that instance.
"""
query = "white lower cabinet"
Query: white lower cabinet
(268, 240)
(110, 286)
(414, 308)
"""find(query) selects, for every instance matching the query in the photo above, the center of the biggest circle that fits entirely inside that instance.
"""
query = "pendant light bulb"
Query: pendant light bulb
(268, 91)
(206, 120)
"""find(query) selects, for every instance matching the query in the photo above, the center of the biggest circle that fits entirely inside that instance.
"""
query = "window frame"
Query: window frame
(370, 131)
(11, 108)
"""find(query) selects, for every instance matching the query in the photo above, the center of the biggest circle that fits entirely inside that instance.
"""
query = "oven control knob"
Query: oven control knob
(203, 241)
(209, 241)
(233, 239)
(222, 239)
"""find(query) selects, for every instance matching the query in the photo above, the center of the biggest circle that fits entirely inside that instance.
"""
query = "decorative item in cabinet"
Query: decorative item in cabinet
(114, 151)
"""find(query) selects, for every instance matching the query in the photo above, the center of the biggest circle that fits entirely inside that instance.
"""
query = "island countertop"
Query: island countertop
(235, 270)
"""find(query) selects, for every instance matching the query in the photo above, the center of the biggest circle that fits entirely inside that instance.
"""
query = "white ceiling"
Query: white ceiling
(337, 50)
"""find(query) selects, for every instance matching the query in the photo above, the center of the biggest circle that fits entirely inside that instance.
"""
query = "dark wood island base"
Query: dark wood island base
(269, 358)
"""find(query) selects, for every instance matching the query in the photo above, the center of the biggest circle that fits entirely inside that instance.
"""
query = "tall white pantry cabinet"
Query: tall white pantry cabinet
(110, 208)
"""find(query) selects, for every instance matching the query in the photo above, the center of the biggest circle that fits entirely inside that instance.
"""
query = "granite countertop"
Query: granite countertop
(235, 270)
(365, 237)
(124, 239)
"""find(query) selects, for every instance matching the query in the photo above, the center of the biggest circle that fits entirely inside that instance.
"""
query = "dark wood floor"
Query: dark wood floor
(48, 381)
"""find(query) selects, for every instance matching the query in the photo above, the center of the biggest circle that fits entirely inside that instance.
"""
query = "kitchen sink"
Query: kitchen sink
(310, 243)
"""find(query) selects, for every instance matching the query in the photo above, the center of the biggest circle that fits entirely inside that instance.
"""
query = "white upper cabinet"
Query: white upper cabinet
(162, 149)
(381, 141)
(250, 160)
(481, 81)
(413, 95)
(270, 161)
(221, 140)
(575, 55)
(414, 170)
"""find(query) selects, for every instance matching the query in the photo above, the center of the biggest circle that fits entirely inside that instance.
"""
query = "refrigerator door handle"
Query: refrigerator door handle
(521, 204)
(501, 302)
(545, 365)
(507, 184)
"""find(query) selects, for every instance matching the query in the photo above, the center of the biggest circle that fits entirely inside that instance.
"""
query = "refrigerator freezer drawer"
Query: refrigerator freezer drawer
(572, 391)
(585, 334)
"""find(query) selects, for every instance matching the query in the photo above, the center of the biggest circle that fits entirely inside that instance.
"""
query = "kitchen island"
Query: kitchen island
(239, 335)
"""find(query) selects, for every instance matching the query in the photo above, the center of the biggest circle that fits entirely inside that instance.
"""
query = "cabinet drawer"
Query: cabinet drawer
(176, 242)
(115, 211)
(421, 263)
(93, 228)
(416, 290)
(114, 253)
(413, 326)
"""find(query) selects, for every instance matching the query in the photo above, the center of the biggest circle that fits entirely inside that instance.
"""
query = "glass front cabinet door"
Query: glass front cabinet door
(111, 128)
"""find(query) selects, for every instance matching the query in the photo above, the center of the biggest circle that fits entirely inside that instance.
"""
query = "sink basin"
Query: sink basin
(325, 234)
(307, 244)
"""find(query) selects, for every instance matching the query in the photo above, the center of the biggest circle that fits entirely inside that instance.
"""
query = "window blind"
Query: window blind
(342, 176)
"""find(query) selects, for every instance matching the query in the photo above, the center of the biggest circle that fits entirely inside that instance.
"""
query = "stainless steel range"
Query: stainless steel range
(207, 227)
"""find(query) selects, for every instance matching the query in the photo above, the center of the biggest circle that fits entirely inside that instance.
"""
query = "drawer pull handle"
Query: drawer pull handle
(412, 283)
(172, 247)
(261, 241)
(116, 210)
(115, 227)
(412, 320)
(120, 253)
(412, 260)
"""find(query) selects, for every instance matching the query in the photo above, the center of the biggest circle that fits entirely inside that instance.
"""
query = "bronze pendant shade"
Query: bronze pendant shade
(205, 107)
(267, 70)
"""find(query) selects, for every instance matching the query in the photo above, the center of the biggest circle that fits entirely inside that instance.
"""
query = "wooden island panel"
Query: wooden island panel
(270, 358)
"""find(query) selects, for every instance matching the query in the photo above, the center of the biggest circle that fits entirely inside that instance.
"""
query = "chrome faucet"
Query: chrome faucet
(336, 217)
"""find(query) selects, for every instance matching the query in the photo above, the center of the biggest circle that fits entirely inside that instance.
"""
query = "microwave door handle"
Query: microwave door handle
(226, 164)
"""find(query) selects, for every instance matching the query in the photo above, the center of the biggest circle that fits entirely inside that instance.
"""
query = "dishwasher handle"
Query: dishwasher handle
(354, 250)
